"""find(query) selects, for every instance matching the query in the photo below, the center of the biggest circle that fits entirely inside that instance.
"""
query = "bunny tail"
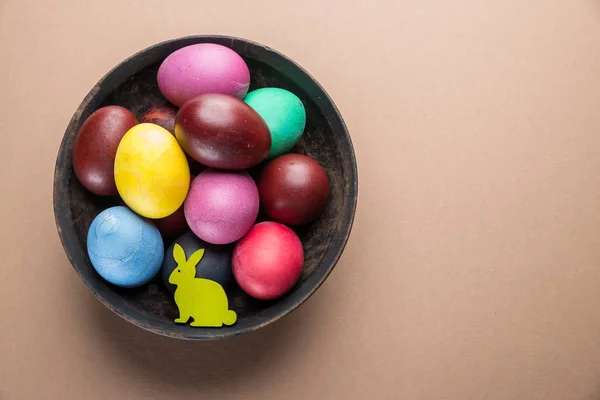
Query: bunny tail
(230, 317)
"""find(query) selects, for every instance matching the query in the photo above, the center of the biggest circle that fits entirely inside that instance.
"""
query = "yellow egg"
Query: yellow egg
(151, 171)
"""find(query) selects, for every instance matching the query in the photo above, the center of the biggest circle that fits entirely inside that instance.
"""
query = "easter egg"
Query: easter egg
(268, 261)
(151, 171)
(202, 68)
(214, 265)
(221, 205)
(294, 189)
(222, 132)
(284, 114)
(162, 115)
(124, 248)
(96, 145)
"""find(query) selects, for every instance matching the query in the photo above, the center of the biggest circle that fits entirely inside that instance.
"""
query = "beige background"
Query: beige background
(473, 268)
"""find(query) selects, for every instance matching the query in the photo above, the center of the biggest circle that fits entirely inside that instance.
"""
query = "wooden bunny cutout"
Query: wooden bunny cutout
(201, 299)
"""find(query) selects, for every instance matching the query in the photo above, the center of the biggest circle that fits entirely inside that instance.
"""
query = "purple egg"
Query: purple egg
(202, 68)
(221, 206)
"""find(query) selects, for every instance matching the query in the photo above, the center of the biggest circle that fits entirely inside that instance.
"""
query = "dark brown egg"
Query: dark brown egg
(174, 225)
(162, 115)
(222, 131)
(96, 145)
(294, 189)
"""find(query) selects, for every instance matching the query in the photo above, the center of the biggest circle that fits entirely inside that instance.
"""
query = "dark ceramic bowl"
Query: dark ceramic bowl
(132, 84)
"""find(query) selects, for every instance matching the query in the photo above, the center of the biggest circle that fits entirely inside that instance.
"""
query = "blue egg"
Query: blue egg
(124, 248)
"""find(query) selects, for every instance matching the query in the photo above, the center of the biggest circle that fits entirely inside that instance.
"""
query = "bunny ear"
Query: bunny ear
(196, 257)
(179, 254)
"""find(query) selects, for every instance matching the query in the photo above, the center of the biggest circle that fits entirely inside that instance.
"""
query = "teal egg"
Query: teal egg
(284, 114)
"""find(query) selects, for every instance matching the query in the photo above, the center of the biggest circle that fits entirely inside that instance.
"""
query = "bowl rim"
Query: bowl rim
(352, 193)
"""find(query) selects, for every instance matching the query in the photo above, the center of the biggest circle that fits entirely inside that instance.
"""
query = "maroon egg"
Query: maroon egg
(162, 115)
(174, 225)
(96, 145)
(294, 189)
(222, 131)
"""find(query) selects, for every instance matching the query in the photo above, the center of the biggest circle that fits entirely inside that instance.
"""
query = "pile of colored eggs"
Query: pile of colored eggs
(222, 126)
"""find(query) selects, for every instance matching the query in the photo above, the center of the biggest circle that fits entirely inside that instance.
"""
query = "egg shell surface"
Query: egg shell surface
(202, 68)
(221, 206)
(222, 131)
(284, 114)
(151, 171)
(294, 189)
(95, 148)
(214, 265)
(162, 115)
(124, 248)
(268, 261)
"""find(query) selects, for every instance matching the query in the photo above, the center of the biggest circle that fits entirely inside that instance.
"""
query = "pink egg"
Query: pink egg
(268, 261)
(202, 68)
(221, 206)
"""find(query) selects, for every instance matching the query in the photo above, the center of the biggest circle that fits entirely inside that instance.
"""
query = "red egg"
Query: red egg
(294, 189)
(268, 261)
(162, 115)
(96, 145)
(222, 131)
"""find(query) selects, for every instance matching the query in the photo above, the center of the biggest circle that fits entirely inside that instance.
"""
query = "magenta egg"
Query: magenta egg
(202, 68)
(221, 206)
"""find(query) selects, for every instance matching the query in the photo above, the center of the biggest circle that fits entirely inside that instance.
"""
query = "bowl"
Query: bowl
(132, 84)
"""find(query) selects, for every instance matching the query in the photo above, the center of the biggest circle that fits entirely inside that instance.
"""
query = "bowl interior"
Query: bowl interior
(132, 84)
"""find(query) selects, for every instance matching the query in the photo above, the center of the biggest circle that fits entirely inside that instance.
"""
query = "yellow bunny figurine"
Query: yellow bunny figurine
(201, 299)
